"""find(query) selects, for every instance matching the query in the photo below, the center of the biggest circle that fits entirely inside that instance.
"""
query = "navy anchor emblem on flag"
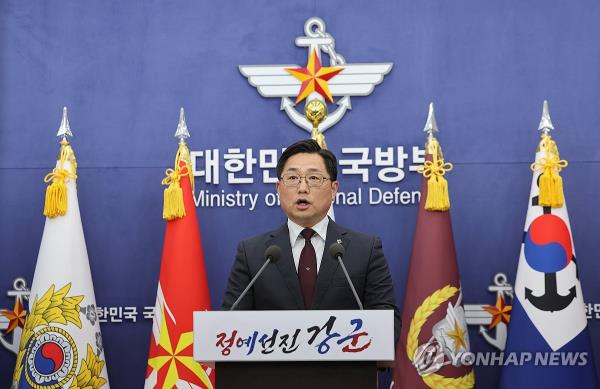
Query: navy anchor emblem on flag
(548, 249)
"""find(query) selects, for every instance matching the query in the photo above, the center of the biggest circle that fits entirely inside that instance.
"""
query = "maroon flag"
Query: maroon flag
(433, 349)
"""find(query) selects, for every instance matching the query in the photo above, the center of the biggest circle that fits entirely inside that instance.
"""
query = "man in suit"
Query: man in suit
(307, 276)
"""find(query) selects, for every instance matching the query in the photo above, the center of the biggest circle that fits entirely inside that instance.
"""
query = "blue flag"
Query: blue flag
(548, 344)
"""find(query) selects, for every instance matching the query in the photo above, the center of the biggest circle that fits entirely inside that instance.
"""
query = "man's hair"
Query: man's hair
(309, 146)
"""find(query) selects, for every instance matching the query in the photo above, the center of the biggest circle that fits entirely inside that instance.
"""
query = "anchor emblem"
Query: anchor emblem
(551, 300)
(339, 79)
(548, 249)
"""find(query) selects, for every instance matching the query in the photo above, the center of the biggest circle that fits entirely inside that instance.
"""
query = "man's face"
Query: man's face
(303, 204)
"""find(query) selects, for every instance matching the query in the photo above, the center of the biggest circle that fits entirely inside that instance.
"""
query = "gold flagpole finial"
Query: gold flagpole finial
(315, 112)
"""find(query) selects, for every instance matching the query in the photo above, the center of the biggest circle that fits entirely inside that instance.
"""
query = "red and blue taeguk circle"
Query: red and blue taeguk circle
(49, 358)
(548, 246)
(52, 358)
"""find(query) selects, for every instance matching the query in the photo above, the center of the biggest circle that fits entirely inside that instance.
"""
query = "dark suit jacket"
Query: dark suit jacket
(278, 287)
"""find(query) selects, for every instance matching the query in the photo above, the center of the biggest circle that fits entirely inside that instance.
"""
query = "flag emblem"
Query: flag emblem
(49, 357)
(174, 359)
(52, 358)
(548, 246)
(448, 342)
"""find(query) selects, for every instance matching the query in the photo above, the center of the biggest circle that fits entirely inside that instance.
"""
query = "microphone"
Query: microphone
(337, 251)
(272, 254)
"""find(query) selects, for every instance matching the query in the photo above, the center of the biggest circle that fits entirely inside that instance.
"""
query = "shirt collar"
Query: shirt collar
(320, 228)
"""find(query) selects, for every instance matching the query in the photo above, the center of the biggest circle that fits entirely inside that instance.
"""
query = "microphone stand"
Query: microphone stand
(339, 258)
(235, 304)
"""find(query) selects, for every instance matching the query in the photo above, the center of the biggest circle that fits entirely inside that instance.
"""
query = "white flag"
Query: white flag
(61, 345)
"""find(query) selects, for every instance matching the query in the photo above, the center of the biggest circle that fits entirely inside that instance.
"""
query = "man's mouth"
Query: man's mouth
(302, 203)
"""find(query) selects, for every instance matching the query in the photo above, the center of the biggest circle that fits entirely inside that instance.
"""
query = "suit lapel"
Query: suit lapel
(328, 264)
(286, 266)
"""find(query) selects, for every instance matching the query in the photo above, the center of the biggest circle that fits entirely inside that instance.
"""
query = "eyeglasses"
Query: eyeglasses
(313, 180)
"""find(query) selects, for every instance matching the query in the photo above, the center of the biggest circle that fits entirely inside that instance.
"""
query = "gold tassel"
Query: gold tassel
(550, 182)
(56, 193)
(173, 205)
(437, 194)
(551, 190)
(56, 199)
(438, 198)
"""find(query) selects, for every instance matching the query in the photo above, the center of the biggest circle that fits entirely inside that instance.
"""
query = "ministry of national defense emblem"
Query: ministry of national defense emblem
(493, 320)
(315, 84)
(12, 320)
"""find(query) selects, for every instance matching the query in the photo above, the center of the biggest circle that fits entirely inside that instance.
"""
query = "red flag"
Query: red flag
(182, 289)
(434, 344)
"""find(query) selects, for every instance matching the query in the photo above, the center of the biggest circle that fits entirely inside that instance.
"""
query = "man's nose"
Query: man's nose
(303, 185)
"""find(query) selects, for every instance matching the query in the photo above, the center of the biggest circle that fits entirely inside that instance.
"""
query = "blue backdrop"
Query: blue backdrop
(125, 68)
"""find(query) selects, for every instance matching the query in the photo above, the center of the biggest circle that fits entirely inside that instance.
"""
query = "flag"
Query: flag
(433, 348)
(548, 341)
(182, 286)
(61, 345)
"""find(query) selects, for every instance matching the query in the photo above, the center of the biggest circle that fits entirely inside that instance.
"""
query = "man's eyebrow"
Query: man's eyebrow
(309, 170)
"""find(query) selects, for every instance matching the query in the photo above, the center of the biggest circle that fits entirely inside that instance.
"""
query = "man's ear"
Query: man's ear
(334, 187)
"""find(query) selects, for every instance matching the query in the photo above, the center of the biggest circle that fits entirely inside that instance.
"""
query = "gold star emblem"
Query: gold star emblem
(16, 317)
(458, 336)
(314, 78)
(175, 360)
(500, 312)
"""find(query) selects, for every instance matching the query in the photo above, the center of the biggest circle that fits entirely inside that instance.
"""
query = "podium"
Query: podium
(295, 349)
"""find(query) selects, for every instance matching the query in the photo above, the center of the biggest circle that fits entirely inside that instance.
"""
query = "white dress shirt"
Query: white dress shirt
(318, 240)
